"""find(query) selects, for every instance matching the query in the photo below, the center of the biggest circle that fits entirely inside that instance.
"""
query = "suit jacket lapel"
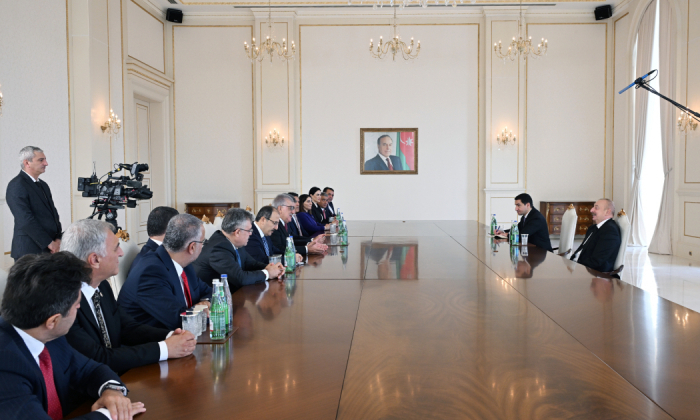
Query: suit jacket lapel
(87, 313)
(25, 351)
(172, 274)
(36, 189)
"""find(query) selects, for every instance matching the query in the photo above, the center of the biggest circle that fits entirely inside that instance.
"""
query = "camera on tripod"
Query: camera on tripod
(115, 192)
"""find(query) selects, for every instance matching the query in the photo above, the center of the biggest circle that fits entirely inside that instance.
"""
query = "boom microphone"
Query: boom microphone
(638, 81)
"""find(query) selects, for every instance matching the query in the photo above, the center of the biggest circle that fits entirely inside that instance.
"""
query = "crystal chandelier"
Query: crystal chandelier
(521, 47)
(269, 48)
(113, 124)
(505, 138)
(686, 123)
(395, 46)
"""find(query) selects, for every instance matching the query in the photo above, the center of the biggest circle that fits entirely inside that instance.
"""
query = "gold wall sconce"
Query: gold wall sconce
(505, 138)
(274, 139)
(113, 124)
(686, 123)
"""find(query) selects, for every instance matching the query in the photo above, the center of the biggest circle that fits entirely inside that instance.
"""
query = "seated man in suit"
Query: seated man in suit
(294, 226)
(531, 223)
(284, 203)
(224, 253)
(155, 226)
(164, 284)
(384, 161)
(324, 211)
(602, 242)
(102, 332)
(330, 193)
(259, 245)
(39, 370)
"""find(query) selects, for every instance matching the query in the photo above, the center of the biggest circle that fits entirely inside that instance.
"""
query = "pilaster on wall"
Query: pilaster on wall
(505, 107)
(275, 167)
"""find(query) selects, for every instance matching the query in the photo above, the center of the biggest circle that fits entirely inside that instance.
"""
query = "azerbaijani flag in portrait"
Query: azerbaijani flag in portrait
(404, 149)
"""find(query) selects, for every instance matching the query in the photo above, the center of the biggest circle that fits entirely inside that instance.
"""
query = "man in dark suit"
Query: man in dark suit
(37, 225)
(384, 161)
(294, 226)
(284, 204)
(531, 223)
(602, 242)
(321, 212)
(102, 332)
(259, 245)
(155, 226)
(224, 253)
(164, 284)
(39, 370)
(330, 192)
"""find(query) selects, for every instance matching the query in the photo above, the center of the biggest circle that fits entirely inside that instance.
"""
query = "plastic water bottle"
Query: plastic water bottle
(493, 224)
(290, 256)
(229, 303)
(337, 212)
(218, 308)
(515, 233)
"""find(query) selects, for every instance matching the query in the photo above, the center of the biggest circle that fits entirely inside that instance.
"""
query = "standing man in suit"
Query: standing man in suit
(602, 242)
(384, 161)
(155, 226)
(37, 225)
(224, 253)
(101, 332)
(284, 204)
(38, 368)
(164, 284)
(330, 192)
(531, 223)
(259, 245)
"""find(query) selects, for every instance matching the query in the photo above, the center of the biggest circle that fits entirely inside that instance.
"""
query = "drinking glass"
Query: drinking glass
(523, 239)
(203, 319)
(275, 259)
(190, 323)
(334, 239)
(334, 229)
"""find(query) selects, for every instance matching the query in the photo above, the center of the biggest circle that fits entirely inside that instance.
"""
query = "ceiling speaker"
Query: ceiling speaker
(175, 16)
(603, 12)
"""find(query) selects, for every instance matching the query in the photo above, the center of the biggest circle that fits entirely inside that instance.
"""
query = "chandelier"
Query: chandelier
(521, 47)
(505, 138)
(395, 46)
(274, 139)
(686, 123)
(113, 124)
(269, 48)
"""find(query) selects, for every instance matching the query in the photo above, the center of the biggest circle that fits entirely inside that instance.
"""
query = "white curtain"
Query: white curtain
(645, 44)
(662, 241)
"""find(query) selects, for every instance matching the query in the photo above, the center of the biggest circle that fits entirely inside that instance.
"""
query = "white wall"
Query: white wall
(34, 75)
(145, 37)
(343, 90)
(213, 107)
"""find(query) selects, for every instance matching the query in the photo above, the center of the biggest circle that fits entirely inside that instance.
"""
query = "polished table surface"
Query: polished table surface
(435, 320)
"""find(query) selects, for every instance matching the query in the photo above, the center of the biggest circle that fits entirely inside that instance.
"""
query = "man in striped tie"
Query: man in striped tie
(38, 368)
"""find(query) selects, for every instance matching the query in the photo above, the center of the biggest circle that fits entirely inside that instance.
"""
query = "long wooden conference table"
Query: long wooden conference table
(433, 320)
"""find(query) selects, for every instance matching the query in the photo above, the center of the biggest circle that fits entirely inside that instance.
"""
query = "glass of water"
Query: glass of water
(191, 323)
(523, 239)
(334, 238)
(275, 259)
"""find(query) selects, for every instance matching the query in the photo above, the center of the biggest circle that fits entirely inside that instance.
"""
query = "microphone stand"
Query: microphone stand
(644, 85)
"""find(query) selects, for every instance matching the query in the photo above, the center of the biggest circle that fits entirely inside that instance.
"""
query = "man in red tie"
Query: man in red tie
(384, 161)
(37, 366)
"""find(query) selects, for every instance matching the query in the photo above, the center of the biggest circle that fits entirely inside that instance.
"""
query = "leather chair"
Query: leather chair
(209, 230)
(624, 222)
(130, 250)
(568, 230)
(3, 282)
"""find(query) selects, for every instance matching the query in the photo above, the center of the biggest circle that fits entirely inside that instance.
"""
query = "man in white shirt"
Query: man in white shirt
(39, 370)
(101, 332)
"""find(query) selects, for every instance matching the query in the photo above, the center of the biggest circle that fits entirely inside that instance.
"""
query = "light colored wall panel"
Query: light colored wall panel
(274, 86)
(213, 115)
(692, 142)
(343, 89)
(145, 37)
(34, 75)
(505, 87)
(621, 78)
(691, 223)
(566, 109)
(504, 208)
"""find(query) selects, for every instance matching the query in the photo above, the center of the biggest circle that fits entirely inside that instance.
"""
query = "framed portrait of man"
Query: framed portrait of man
(388, 151)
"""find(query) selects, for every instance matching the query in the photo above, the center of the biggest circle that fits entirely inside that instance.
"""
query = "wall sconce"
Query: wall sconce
(0, 102)
(505, 138)
(686, 123)
(273, 139)
(113, 124)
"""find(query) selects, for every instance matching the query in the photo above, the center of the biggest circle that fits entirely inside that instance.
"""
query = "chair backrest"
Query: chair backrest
(209, 230)
(3, 282)
(624, 222)
(568, 229)
(130, 250)
(217, 222)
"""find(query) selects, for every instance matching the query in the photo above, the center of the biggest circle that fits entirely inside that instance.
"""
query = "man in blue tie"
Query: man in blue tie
(259, 246)
(224, 253)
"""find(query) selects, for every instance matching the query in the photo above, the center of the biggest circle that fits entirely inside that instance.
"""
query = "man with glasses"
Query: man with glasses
(224, 253)
(259, 246)
(164, 284)
(284, 203)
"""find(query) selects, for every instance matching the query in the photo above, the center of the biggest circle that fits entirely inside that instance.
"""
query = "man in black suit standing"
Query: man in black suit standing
(384, 161)
(37, 225)
(155, 226)
(39, 370)
(259, 245)
(164, 284)
(531, 223)
(101, 332)
(284, 203)
(224, 253)
(601, 245)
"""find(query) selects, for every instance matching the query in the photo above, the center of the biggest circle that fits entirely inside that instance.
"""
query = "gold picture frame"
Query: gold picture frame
(397, 146)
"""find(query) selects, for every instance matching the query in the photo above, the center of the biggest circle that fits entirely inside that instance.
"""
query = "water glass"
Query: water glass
(199, 313)
(523, 239)
(203, 318)
(334, 239)
(331, 219)
(275, 259)
(334, 229)
(190, 323)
